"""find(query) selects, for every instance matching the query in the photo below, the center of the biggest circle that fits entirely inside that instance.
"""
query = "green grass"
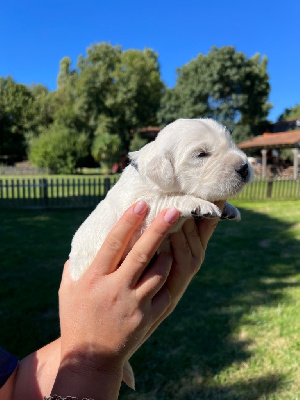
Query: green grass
(234, 335)
(34, 247)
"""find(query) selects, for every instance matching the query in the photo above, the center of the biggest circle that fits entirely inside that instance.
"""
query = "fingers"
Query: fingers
(160, 304)
(186, 247)
(206, 227)
(190, 231)
(138, 258)
(112, 249)
(66, 284)
(184, 267)
(154, 278)
(187, 259)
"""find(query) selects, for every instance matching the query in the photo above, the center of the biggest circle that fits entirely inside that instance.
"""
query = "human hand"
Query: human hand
(188, 248)
(111, 307)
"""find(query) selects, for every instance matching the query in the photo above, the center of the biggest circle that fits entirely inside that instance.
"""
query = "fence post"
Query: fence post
(106, 186)
(269, 188)
(45, 192)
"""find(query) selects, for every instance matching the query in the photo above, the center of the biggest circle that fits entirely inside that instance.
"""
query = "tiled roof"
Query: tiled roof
(281, 139)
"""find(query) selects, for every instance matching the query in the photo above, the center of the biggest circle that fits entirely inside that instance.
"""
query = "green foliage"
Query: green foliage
(64, 71)
(119, 90)
(24, 113)
(93, 84)
(286, 154)
(59, 149)
(111, 91)
(290, 113)
(241, 132)
(42, 111)
(138, 92)
(15, 117)
(137, 142)
(106, 148)
(223, 85)
(170, 106)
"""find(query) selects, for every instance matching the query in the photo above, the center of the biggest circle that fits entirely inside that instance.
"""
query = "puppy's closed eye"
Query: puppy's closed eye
(202, 154)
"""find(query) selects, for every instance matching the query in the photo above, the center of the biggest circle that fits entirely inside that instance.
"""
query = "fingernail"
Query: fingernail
(140, 207)
(171, 216)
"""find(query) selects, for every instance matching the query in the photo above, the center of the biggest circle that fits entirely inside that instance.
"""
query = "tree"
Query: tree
(290, 113)
(94, 84)
(138, 142)
(24, 113)
(121, 88)
(138, 90)
(15, 117)
(170, 105)
(59, 149)
(106, 148)
(224, 85)
(42, 111)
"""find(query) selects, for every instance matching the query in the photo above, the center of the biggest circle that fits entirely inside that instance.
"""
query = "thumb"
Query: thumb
(66, 279)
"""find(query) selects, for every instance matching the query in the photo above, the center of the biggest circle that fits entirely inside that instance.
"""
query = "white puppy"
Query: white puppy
(191, 163)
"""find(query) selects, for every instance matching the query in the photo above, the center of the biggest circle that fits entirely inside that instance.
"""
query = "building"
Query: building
(274, 142)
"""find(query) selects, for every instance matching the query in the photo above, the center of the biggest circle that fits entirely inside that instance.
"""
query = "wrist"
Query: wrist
(90, 363)
(83, 378)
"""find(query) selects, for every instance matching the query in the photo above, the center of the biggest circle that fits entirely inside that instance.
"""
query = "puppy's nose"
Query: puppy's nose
(243, 171)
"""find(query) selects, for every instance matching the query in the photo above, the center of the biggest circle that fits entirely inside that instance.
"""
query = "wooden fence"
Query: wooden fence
(275, 188)
(87, 193)
(54, 193)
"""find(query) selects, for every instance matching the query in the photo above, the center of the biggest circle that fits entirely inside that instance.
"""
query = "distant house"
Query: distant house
(281, 135)
(270, 144)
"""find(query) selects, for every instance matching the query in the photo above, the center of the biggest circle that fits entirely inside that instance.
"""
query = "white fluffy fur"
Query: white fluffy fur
(169, 173)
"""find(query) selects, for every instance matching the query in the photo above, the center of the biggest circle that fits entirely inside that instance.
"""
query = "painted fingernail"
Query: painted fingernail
(171, 216)
(140, 207)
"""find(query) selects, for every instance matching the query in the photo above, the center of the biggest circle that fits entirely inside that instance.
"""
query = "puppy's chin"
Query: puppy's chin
(220, 190)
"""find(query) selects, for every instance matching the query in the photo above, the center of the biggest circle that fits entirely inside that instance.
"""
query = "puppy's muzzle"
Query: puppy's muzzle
(243, 172)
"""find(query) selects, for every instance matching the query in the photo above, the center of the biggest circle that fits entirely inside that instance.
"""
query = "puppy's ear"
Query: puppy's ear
(160, 171)
(156, 168)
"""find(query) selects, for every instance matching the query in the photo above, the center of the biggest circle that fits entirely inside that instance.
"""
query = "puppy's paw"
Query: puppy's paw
(206, 210)
(230, 212)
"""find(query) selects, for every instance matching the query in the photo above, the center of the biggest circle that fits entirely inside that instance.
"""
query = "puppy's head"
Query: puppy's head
(194, 156)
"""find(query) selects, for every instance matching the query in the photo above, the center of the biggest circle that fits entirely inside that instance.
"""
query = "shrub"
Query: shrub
(106, 148)
(59, 149)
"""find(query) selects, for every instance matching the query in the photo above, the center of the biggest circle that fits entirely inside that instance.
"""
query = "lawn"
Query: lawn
(235, 334)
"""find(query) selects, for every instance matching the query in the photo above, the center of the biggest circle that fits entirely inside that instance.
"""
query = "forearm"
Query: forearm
(40, 374)
(6, 391)
(37, 372)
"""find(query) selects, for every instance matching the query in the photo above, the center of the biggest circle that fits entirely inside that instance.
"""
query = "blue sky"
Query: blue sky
(36, 34)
